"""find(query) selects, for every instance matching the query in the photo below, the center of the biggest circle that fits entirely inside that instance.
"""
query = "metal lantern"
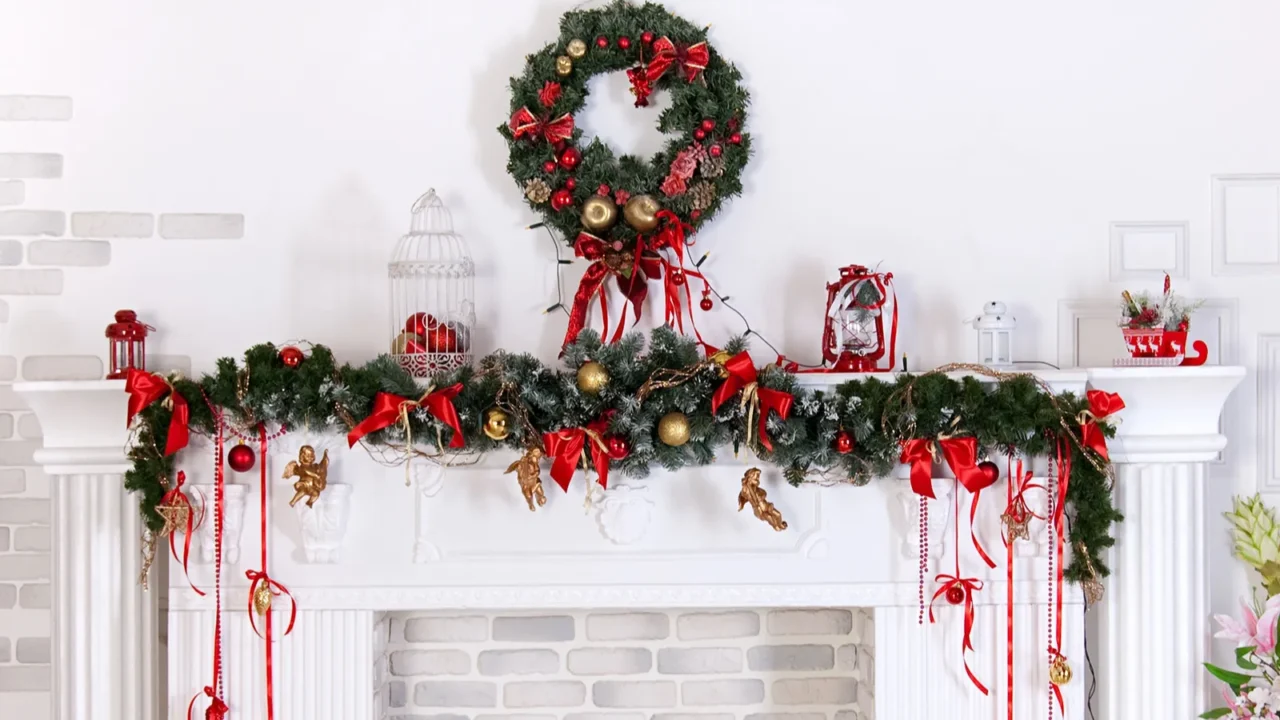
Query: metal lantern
(995, 335)
(859, 305)
(432, 293)
(127, 340)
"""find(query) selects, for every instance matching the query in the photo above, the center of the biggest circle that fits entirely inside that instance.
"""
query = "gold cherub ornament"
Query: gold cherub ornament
(760, 504)
(527, 472)
(312, 476)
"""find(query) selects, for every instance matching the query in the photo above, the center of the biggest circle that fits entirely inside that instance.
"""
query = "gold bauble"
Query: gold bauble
(576, 49)
(592, 377)
(720, 358)
(673, 429)
(564, 65)
(495, 424)
(641, 212)
(262, 599)
(1059, 671)
(400, 346)
(599, 213)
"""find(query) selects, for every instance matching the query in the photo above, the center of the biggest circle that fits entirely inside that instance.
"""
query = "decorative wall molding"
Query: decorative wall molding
(1142, 250)
(1246, 224)
(1269, 413)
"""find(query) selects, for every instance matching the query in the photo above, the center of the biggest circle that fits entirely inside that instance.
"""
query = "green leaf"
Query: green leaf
(1242, 658)
(1219, 712)
(1234, 679)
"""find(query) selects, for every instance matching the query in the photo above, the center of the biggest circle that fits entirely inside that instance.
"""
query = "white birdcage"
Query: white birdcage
(432, 290)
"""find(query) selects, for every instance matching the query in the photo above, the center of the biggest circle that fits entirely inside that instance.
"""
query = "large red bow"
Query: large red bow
(1101, 405)
(918, 453)
(692, 59)
(389, 409)
(145, 388)
(523, 122)
(176, 498)
(742, 377)
(961, 454)
(565, 448)
(633, 283)
(969, 586)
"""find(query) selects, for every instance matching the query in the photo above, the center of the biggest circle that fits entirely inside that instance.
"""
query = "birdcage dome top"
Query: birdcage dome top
(431, 240)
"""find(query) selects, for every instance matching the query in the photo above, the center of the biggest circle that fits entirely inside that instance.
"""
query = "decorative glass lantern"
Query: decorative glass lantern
(432, 286)
(995, 335)
(127, 340)
(858, 306)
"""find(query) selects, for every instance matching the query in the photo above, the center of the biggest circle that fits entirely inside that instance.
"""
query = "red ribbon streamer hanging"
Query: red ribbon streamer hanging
(565, 447)
(1010, 480)
(969, 586)
(1101, 405)
(217, 707)
(961, 455)
(917, 453)
(175, 496)
(389, 409)
(525, 123)
(259, 577)
(1058, 528)
(145, 388)
(743, 377)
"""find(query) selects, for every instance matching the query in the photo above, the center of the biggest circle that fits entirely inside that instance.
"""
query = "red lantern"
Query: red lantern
(128, 344)
(853, 335)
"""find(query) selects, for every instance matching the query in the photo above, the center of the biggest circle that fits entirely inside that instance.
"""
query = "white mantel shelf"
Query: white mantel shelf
(463, 538)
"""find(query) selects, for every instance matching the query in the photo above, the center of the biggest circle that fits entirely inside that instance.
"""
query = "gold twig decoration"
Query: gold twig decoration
(667, 378)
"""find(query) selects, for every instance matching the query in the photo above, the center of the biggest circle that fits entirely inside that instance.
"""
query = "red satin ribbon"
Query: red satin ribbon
(692, 59)
(742, 373)
(387, 410)
(1010, 480)
(970, 586)
(258, 577)
(565, 447)
(1101, 404)
(961, 455)
(177, 497)
(916, 453)
(523, 122)
(1058, 529)
(145, 388)
(217, 708)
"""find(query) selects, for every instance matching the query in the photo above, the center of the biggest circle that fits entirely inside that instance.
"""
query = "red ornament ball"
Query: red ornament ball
(735, 139)
(624, 42)
(549, 166)
(733, 123)
(696, 214)
(677, 276)
(570, 158)
(646, 37)
(442, 339)
(419, 324)
(619, 448)
(241, 458)
(561, 199)
(843, 443)
(706, 303)
(291, 356)
(716, 151)
(990, 471)
(955, 594)
(602, 42)
(708, 124)
(603, 190)
(571, 183)
(700, 134)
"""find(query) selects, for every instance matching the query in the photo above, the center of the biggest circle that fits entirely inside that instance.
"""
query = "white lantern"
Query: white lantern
(995, 335)
(432, 293)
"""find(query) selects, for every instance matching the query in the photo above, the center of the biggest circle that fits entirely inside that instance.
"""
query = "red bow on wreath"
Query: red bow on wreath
(524, 122)
(692, 59)
(389, 409)
(1101, 405)
(145, 388)
(565, 448)
(742, 376)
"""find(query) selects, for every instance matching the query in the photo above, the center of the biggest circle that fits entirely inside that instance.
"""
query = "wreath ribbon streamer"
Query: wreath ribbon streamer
(145, 388)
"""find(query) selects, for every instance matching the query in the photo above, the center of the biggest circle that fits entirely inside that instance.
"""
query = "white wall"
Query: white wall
(978, 150)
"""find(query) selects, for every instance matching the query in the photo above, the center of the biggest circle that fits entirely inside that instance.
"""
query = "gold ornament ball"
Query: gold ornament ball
(576, 49)
(720, 358)
(564, 65)
(599, 213)
(407, 342)
(1059, 671)
(673, 429)
(641, 212)
(592, 377)
(262, 599)
(495, 424)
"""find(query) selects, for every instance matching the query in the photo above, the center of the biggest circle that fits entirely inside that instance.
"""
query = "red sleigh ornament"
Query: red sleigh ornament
(1146, 334)
(853, 334)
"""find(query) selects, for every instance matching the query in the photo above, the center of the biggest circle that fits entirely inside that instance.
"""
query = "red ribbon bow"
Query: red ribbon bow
(217, 709)
(523, 122)
(918, 453)
(742, 377)
(565, 447)
(961, 454)
(179, 498)
(145, 388)
(1101, 405)
(258, 578)
(389, 409)
(634, 286)
(969, 586)
(692, 59)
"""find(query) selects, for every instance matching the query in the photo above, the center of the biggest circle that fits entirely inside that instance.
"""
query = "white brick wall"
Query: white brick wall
(674, 665)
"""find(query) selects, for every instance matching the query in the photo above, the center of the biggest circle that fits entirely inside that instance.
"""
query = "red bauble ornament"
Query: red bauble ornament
(570, 158)
(291, 356)
(602, 42)
(241, 458)
(570, 183)
(603, 190)
(696, 214)
(733, 123)
(699, 134)
(646, 37)
(843, 443)
(990, 471)
(716, 151)
(549, 166)
(677, 276)
(955, 595)
(561, 199)
(735, 139)
(708, 124)
(442, 339)
(706, 303)
(624, 42)
(618, 446)
(419, 324)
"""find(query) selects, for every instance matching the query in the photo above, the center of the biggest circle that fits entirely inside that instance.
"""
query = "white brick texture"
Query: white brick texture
(716, 665)
(201, 226)
(30, 165)
(62, 367)
(34, 107)
(12, 192)
(32, 223)
(30, 282)
(112, 225)
(71, 253)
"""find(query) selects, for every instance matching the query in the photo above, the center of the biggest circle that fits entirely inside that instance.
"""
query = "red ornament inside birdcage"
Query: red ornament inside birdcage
(128, 344)
(859, 305)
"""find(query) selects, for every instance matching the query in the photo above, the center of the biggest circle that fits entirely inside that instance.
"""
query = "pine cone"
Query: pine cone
(702, 195)
(537, 190)
(1257, 538)
(712, 167)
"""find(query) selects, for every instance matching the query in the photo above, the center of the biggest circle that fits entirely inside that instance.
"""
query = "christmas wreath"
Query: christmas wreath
(628, 215)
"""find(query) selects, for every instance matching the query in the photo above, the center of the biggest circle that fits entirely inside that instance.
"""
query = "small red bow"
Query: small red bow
(918, 453)
(961, 454)
(634, 285)
(258, 578)
(1101, 405)
(145, 388)
(523, 122)
(969, 586)
(743, 377)
(692, 59)
(565, 447)
(389, 409)
(217, 709)
(180, 499)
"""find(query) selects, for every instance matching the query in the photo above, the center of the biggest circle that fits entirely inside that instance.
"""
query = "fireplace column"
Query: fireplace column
(104, 624)
(1152, 625)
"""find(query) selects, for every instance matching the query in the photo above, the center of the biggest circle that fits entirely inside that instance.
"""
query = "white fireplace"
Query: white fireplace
(648, 570)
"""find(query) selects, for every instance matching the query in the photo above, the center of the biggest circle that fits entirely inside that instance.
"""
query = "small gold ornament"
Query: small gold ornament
(262, 599)
(496, 424)
(1015, 526)
(564, 66)
(641, 212)
(175, 516)
(673, 429)
(592, 377)
(1059, 671)
(407, 342)
(576, 49)
(312, 476)
(527, 473)
(599, 213)
(721, 358)
(755, 496)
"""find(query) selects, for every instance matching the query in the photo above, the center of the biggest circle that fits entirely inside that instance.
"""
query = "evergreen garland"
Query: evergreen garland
(1013, 414)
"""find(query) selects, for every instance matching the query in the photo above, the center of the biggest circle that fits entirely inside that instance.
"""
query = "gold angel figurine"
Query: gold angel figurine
(526, 470)
(312, 476)
(760, 504)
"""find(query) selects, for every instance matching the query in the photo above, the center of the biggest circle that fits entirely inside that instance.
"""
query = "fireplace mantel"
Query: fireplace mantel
(463, 538)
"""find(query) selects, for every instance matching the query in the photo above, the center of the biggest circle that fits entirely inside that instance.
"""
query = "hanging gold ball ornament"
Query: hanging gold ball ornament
(496, 424)
(599, 213)
(721, 358)
(576, 49)
(1059, 671)
(564, 66)
(262, 599)
(641, 212)
(673, 429)
(592, 377)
